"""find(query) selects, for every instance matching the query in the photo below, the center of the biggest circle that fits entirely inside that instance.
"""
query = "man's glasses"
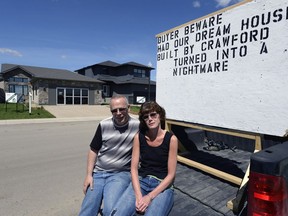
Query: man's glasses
(151, 115)
(118, 109)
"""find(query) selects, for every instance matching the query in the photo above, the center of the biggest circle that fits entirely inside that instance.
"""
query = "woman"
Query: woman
(153, 167)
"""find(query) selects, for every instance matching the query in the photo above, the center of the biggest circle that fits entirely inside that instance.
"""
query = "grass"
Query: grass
(134, 109)
(21, 111)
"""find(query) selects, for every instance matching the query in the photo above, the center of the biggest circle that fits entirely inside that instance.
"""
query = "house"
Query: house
(130, 79)
(49, 86)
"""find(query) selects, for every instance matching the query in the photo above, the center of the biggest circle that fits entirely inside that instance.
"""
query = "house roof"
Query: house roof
(114, 64)
(108, 63)
(124, 79)
(48, 73)
(137, 64)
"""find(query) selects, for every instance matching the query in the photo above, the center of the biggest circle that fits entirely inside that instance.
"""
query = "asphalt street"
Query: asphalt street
(42, 167)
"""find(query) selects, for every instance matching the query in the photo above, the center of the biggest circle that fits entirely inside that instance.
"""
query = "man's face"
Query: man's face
(119, 109)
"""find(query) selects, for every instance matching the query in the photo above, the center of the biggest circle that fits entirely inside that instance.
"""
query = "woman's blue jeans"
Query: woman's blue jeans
(160, 206)
(108, 186)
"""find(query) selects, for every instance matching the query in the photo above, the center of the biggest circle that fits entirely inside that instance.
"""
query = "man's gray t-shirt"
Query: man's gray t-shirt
(114, 145)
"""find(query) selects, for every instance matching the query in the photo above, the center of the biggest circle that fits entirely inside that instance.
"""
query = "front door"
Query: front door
(60, 96)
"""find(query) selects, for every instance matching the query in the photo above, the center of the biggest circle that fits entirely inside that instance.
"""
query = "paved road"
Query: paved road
(42, 167)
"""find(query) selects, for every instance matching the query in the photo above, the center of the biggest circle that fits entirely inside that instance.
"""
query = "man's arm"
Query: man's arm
(91, 159)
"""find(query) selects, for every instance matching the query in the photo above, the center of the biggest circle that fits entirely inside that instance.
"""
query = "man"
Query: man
(109, 157)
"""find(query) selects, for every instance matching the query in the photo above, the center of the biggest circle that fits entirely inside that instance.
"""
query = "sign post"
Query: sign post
(30, 102)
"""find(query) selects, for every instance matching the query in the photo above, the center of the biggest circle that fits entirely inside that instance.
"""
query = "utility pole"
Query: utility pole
(149, 80)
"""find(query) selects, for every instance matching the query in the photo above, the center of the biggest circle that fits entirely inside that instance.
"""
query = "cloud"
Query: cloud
(224, 3)
(196, 4)
(10, 52)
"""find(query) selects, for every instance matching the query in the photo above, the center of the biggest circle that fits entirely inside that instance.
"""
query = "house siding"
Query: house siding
(52, 96)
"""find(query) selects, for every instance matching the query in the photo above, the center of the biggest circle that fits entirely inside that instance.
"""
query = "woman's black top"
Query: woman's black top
(154, 160)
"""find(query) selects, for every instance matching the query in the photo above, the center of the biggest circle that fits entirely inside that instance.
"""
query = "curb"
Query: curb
(49, 120)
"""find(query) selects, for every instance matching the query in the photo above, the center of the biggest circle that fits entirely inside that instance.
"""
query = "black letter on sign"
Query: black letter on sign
(264, 48)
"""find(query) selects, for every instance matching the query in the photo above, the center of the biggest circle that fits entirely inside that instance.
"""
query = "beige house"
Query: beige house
(49, 86)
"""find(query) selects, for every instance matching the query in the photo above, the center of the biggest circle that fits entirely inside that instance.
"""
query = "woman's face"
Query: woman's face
(152, 119)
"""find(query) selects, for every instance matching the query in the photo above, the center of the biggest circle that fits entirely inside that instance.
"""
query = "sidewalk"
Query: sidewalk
(68, 114)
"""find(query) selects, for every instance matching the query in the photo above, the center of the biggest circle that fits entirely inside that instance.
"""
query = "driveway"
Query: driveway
(72, 111)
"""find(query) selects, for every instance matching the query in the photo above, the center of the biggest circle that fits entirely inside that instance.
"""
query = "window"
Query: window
(25, 80)
(18, 85)
(77, 92)
(25, 90)
(18, 79)
(84, 96)
(139, 73)
(19, 89)
(12, 88)
(77, 96)
(69, 96)
(69, 92)
(72, 96)
(84, 92)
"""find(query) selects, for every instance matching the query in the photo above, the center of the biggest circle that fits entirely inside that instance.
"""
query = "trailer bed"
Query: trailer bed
(198, 193)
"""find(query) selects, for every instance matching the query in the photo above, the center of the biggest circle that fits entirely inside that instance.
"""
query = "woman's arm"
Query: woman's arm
(140, 204)
(172, 163)
(134, 167)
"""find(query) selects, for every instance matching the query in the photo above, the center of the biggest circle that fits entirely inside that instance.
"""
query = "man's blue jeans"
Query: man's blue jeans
(108, 186)
(160, 206)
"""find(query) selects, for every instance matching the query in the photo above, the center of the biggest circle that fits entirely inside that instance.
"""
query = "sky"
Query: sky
(72, 34)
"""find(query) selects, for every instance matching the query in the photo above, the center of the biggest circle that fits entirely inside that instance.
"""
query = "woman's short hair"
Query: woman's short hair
(148, 107)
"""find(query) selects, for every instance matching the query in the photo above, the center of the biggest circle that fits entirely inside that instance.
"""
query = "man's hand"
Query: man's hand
(88, 182)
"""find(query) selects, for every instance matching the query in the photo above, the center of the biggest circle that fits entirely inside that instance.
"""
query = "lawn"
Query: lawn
(21, 111)
(134, 109)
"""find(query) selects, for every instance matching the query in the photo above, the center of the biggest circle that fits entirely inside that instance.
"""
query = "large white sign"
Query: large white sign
(228, 69)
